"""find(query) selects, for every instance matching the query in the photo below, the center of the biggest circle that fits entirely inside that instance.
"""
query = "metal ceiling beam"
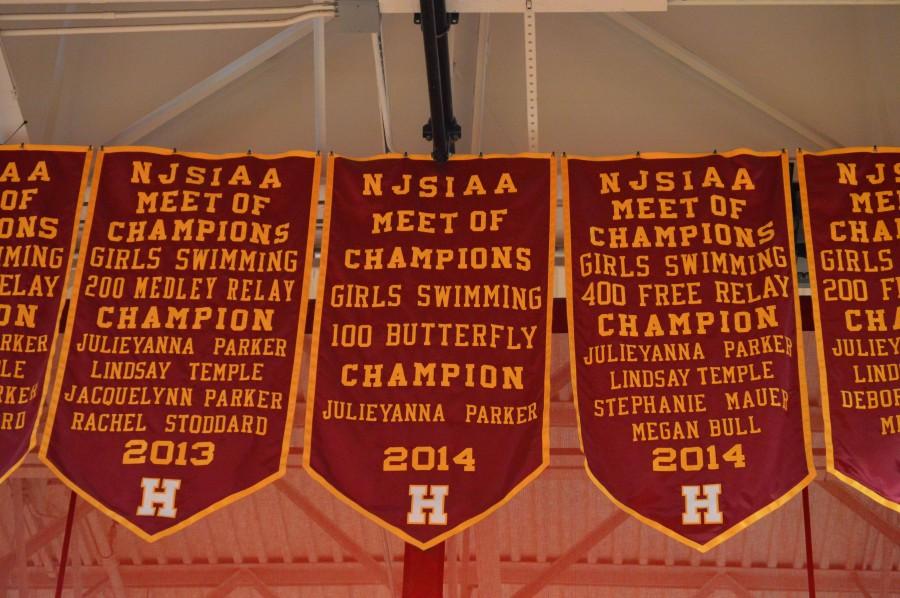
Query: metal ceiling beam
(389, 561)
(862, 588)
(518, 6)
(674, 3)
(376, 572)
(466, 553)
(840, 491)
(78, 556)
(319, 84)
(21, 568)
(681, 54)
(13, 128)
(89, 2)
(481, 61)
(722, 581)
(240, 578)
(41, 538)
(487, 559)
(737, 588)
(230, 584)
(452, 566)
(680, 576)
(594, 6)
(108, 560)
(48, 134)
(384, 106)
(259, 585)
(18, 17)
(198, 92)
(572, 554)
(315, 11)
(96, 588)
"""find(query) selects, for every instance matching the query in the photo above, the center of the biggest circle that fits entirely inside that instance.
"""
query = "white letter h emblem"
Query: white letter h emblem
(159, 497)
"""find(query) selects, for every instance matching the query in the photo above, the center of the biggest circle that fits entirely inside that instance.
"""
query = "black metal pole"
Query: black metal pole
(807, 534)
(438, 122)
(64, 556)
(442, 19)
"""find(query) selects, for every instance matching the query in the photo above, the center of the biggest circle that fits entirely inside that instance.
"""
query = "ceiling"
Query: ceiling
(692, 78)
(701, 75)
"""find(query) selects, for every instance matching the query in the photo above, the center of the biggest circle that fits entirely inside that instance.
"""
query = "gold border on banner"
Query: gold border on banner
(317, 325)
(298, 349)
(804, 394)
(54, 349)
(820, 348)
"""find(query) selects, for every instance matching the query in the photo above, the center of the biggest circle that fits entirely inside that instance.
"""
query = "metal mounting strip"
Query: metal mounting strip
(531, 106)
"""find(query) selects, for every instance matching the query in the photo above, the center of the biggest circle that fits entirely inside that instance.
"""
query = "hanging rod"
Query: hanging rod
(441, 129)
(127, 15)
(309, 12)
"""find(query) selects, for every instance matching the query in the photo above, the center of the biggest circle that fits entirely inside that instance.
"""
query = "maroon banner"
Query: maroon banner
(40, 198)
(851, 207)
(683, 335)
(181, 353)
(429, 373)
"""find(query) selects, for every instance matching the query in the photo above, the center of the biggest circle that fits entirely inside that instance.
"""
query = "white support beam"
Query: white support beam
(48, 135)
(291, 576)
(711, 585)
(341, 538)
(481, 61)
(681, 54)
(210, 85)
(319, 83)
(674, 3)
(384, 105)
(849, 499)
(466, 552)
(89, 2)
(42, 538)
(593, 6)
(99, 585)
(887, 565)
(242, 577)
(17, 489)
(78, 552)
(95, 523)
(487, 558)
(12, 123)
(722, 581)
(551, 572)
(518, 6)
(862, 589)
(228, 586)
(452, 566)
(259, 585)
(389, 564)
(313, 12)
(139, 15)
